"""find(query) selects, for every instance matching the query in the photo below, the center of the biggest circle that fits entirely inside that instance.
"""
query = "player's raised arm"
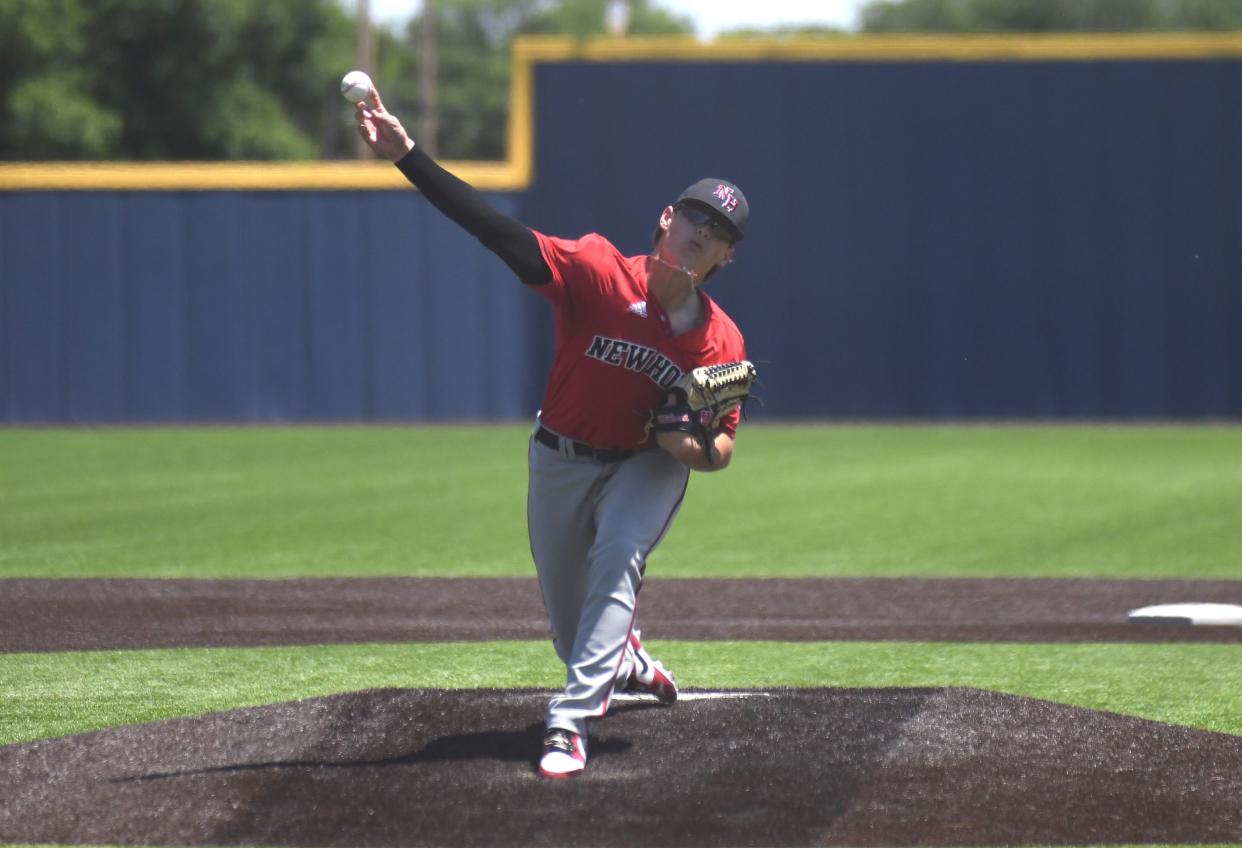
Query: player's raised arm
(507, 238)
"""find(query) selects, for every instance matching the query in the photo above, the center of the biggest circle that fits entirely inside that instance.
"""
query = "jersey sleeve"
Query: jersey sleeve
(581, 264)
(733, 348)
(729, 423)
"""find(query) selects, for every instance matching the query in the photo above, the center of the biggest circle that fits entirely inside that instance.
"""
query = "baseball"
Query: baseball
(355, 86)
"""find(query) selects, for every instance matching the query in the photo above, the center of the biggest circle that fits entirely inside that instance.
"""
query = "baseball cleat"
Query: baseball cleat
(649, 675)
(564, 754)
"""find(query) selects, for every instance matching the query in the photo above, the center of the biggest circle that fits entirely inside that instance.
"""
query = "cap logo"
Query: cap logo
(728, 201)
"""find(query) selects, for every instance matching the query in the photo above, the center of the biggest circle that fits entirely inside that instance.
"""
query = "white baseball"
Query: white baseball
(355, 86)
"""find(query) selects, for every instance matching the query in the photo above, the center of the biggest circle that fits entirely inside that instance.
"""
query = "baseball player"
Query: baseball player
(614, 443)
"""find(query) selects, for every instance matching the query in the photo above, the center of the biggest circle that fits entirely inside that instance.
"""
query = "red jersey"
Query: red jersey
(616, 355)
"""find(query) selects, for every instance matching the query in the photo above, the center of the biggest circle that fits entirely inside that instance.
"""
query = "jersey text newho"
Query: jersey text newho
(634, 357)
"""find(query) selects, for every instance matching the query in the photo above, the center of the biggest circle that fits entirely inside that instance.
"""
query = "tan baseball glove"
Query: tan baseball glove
(699, 401)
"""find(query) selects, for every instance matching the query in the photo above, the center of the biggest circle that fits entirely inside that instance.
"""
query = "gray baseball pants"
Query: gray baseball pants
(592, 525)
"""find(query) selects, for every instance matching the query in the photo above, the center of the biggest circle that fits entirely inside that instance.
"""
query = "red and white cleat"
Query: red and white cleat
(649, 675)
(564, 754)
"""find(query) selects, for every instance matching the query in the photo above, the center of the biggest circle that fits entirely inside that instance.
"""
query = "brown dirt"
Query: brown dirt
(792, 767)
(56, 615)
(789, 767)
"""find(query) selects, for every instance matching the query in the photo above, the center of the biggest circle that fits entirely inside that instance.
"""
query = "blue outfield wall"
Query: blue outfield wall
(929, 239)
(940, 239)
(231, 306)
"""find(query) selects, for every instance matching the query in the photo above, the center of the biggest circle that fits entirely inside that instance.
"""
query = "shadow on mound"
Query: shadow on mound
(787, 767)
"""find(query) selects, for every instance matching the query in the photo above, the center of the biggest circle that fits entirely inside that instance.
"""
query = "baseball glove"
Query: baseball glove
(699, 401)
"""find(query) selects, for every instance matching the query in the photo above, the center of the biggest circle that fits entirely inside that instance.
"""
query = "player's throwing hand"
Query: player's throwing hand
(381, 129)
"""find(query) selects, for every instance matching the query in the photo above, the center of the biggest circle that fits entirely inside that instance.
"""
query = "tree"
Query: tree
(238, 79)
(582, 18)
(474, 39)
(1051, 15)
(172, 79)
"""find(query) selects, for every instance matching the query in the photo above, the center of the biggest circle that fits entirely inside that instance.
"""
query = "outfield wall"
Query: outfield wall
(942, 228)
(245, 306)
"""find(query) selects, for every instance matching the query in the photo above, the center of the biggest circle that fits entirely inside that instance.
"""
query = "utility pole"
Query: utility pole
(364, 60)
(428, 77)
(617, 17)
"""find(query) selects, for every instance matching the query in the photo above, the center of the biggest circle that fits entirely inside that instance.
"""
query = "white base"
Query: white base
(1208, 614)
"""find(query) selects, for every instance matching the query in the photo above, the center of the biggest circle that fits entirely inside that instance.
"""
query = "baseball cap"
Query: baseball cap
(722, 198)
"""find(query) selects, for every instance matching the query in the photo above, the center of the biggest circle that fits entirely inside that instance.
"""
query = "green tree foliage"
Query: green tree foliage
(982, 16)
(582, 18)
(257, 79)
(172, 79)
(473, 40)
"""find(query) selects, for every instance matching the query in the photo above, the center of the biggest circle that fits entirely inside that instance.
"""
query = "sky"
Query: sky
(710, 16)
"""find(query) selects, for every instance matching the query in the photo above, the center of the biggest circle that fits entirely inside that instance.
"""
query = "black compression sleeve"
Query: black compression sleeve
(460, 202)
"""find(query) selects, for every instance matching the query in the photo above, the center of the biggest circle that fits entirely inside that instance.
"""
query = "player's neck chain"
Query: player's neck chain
(680, 269)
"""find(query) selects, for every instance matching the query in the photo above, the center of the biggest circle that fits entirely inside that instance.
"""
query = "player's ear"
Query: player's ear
(729, 255)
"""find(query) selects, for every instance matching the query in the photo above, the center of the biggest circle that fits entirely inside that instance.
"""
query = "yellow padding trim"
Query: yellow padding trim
(888, 48)
(516, 172)
(237, 176)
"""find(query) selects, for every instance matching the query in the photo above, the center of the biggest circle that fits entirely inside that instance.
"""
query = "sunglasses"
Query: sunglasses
(700, 217)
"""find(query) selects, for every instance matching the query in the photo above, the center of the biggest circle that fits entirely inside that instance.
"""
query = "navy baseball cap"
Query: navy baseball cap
(722, 198)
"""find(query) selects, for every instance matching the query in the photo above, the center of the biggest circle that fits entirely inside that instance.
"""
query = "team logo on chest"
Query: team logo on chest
(635, 357)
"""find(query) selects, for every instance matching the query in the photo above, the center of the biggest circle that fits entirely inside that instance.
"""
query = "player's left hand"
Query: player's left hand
(696, 405)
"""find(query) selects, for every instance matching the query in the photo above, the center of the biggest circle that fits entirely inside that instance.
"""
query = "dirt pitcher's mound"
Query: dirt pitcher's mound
(786, 767)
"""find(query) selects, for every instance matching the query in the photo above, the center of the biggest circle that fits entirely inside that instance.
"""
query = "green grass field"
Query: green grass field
(58, 694)
(927, 501)
(798, 501)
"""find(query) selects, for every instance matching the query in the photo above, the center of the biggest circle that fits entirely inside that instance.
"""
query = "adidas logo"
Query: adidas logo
(639, 307)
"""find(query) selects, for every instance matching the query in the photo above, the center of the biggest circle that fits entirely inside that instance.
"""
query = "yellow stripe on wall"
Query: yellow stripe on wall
(887, 48)
(236, 176)
(515, 172)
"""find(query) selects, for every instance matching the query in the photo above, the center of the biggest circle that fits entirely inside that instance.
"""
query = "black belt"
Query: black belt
(545, 436)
